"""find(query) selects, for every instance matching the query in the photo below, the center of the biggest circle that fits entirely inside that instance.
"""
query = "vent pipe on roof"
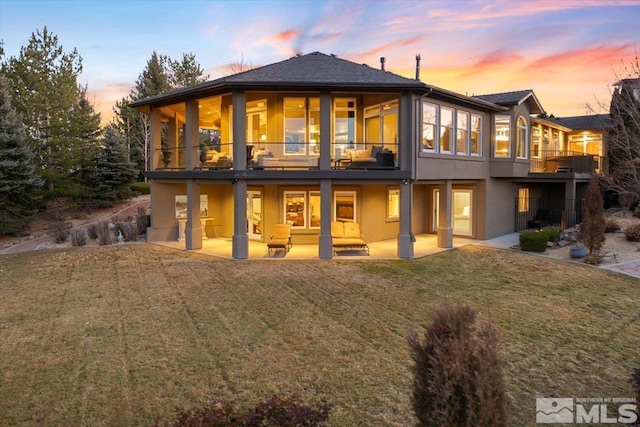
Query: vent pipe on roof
(382, 61)
(418, 67)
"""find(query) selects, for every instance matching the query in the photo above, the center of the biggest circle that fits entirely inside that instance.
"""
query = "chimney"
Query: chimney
(382, 61)
(418, 67)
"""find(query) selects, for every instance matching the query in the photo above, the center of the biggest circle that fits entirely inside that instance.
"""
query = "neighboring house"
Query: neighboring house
(315, 139)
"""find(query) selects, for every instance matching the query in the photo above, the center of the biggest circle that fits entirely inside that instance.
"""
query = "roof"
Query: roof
(313, 71)
(593, 121)
(509, 99)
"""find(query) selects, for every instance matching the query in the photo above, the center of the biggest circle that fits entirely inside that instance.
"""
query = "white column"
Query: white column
(240, 239)
(192, 135)
(193, 233)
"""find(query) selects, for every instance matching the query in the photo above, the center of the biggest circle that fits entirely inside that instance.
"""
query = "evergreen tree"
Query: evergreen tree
(114, 172)
(44, 83)
(186, 72)
(19, 184)
(62, 125)
(593, 222)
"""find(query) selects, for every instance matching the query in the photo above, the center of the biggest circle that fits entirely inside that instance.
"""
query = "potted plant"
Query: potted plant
(578, 251)
(166, 157)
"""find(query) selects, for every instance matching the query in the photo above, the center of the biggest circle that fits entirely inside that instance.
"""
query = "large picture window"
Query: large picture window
(344, 126)
(503, 136)
(302, 209)
(522, 139)
(523, 199)
(301, 125)
(345, 206)
(295, 208)
(450, 131)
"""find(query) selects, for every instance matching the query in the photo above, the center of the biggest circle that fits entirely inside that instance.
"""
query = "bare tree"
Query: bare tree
(240, 65)
(623, 135)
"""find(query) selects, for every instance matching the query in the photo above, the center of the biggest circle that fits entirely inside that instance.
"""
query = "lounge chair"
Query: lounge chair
(281, 238)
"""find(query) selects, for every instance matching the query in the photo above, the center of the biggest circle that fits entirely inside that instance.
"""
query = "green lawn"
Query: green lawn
(119, 335)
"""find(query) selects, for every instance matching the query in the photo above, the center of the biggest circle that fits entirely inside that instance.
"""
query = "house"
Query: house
(316, 139)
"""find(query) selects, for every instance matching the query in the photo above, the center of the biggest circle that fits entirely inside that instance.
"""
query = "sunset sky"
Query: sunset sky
(568, 51)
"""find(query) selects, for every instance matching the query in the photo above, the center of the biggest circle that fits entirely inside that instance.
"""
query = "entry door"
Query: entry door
(462, 212)
(254, 215)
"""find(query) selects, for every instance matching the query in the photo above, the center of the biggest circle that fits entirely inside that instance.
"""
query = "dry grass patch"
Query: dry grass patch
(119, 335)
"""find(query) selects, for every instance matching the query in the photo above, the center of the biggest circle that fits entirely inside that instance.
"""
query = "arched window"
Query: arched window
(522, 137)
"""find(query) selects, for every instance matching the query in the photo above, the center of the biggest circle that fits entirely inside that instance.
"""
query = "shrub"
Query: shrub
(534, 241)
(140, 187)
(104, 234)
(457, 375)
(128, 229)
(611, 226)
(60, 231)
(142, 220)
(92, 230)
(553, 233)
(632, 233)
(78, 237)
(273, 412)
(56, 206)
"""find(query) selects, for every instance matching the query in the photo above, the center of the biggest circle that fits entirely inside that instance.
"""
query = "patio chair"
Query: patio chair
(280, 239)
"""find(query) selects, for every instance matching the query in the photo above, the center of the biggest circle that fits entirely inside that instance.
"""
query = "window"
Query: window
(536, 137)
(301, 125)
(295, 208)
(522, 138)
(314, 209)
(302, 209)
(381, 125)
(462, 133)
(446, 129)
(345, 206)
(393, 204)
(503, 136)
(344, 126)
(429, 123)
(523, 200)
(257, 122)
(476, 135)
(462, 211)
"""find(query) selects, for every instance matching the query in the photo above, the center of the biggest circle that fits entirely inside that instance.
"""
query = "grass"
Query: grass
(120, 335)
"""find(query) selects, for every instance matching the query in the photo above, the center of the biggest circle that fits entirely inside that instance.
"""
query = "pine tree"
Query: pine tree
(593, 222)
(186, 72)
(114, 172)
(19, 184)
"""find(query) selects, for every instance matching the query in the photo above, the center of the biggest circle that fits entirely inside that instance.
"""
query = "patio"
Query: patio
(426, 244)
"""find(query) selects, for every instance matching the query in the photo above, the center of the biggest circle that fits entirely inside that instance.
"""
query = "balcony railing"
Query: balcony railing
(563, 161)
(281, 156)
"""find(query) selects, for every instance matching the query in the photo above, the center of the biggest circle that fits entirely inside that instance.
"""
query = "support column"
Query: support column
(192, 135)
(172, 141)
(325, 243)
(569, 216)
(239, 133)
(155, 143)
(240, 240)
(193, 233)
(405, 236)
(445, 215)
(325, 131)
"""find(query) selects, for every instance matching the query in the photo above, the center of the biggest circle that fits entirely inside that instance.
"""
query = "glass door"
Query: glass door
(436, 210)
(462, 213)
(254, 214)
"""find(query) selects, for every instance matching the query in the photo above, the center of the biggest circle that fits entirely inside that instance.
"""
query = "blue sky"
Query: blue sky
(568, 51)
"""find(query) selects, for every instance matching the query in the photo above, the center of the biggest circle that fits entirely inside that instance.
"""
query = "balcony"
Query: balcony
(281, 156)
(563, 161)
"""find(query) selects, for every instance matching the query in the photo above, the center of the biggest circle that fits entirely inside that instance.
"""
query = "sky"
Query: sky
(569, 52)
